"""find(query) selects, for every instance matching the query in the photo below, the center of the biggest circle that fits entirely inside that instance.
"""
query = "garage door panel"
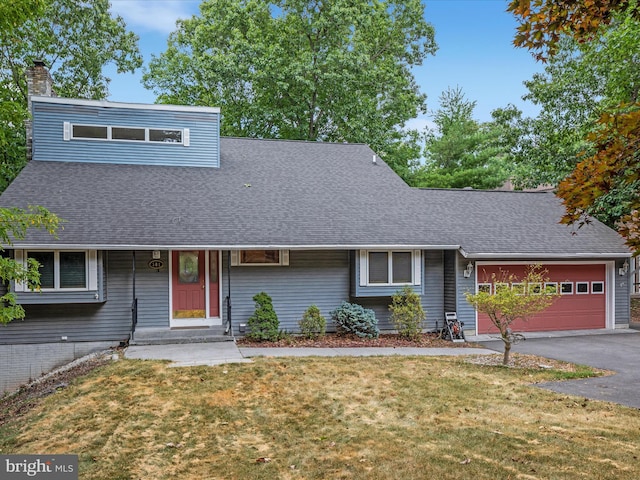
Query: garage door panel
(569, 312)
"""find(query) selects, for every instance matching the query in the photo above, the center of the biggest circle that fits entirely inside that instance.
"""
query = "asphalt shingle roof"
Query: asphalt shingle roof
(271, 193)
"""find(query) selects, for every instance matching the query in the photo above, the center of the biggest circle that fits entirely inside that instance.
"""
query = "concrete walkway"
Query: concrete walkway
(217, 353)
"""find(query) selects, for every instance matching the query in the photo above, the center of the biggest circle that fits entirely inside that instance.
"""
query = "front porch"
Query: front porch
(169, 336)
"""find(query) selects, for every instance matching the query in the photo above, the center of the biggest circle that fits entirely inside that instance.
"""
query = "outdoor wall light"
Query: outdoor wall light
(468, 270)
(624, 269)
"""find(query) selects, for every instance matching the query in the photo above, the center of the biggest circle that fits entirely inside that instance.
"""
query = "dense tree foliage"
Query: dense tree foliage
(543, 23)
(14, 224)
(462, 152)
(589, 126)
(76, 39)
(334, 70)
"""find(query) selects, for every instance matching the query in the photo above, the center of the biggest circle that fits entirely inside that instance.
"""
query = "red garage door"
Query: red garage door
(582, 304)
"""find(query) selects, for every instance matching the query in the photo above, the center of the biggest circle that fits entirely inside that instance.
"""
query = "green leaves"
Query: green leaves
(14, 224)
(76, 40)
(462, 152)
(333, 70)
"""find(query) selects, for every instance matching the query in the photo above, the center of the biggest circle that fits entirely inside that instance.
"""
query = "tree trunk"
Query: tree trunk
(507, 351)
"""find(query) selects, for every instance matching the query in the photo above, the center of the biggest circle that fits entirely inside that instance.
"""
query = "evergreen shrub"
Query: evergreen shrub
(353, 318)
(313, 324)
(407, 314)
(264, 324)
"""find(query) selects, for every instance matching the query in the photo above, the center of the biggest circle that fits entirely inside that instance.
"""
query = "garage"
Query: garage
(582, 304)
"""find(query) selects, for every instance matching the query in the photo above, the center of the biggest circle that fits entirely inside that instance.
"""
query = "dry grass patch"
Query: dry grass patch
(319, 418)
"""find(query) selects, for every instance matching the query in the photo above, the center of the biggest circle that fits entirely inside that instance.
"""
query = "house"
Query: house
(168, 226)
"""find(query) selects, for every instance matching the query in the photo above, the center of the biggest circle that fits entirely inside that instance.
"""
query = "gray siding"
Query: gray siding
(152, 291)
(312, 277)
(49, 144)
(431, 289)
(622, 310)
(450, 289)
(109, 321)
(464, 310)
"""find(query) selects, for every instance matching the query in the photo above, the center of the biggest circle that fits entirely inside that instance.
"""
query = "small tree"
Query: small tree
(14, 224)
(264, 324)
(407, 314)
(513, 299)
(313, 324)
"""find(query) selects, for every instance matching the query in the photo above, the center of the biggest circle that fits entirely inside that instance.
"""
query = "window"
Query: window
(566, 288)
(550, 288)
(90, 131)
(518, 288)
(126, 134)
(582, 288)
(166, 136)
(62, 270)
(498, 287)
(597, 287)
(390, 267)
(484, 288)
(535, 288)
(260, 257)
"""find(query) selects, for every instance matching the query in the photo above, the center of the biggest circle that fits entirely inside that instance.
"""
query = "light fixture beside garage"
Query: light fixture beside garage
(624, 269)
(468, 270)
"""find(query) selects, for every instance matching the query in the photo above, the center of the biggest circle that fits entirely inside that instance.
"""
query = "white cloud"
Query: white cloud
(154, 15)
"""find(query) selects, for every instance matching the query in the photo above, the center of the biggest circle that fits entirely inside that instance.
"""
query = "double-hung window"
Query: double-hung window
(378, 268)
(62, 270)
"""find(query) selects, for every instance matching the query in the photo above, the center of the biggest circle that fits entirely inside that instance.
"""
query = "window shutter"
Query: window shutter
(417, 267)
(234, 258)
(67, 131)
(363, 268)
(93, 269)
(186, 139)
(285, 257)
(18, 255)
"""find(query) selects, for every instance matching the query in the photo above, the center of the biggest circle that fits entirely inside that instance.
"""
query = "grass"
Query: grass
(329, 418)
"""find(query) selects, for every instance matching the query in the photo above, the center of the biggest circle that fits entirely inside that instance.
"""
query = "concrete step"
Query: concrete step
(167, 336)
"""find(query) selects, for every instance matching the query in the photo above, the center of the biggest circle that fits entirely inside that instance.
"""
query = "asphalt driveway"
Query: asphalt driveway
(619, 352)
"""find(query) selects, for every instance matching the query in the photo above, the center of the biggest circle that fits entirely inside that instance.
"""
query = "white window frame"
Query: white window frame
(68, 134)
(482, 286)
(552, 285)
(601, 283)
(236, 259)
(562, 292)
(91, 270)
(416, 268)
(518, 287)
(583, 293)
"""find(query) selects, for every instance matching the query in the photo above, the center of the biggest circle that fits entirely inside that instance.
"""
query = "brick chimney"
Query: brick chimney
(39, 83)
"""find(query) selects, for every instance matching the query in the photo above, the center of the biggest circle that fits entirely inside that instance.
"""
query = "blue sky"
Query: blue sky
(474, 39)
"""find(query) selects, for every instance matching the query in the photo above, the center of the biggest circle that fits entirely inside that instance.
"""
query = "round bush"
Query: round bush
(353, 318)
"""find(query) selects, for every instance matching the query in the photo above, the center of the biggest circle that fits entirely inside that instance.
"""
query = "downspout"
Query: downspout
(134, 303)
(229, 329)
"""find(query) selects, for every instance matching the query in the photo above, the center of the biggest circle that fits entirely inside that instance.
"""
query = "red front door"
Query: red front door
(188, 284)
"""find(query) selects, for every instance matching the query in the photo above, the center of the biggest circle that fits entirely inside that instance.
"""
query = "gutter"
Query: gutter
(557, 256)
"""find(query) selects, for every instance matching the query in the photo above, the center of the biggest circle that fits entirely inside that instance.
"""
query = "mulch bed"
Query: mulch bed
(332, 340)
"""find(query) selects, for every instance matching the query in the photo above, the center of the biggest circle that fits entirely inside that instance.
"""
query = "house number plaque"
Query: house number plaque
(156, 264)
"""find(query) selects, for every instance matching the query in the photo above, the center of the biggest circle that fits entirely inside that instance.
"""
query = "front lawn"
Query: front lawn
(328, 418)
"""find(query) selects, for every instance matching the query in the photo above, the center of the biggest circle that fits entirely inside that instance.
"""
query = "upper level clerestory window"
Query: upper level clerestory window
(174, 136)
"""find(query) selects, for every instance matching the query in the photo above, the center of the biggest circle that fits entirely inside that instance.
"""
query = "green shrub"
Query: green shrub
(264, 324)
(407, 314)
(313, 324)
(353, 318)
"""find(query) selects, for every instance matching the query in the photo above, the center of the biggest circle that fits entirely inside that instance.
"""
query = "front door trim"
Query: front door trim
(207, 320)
